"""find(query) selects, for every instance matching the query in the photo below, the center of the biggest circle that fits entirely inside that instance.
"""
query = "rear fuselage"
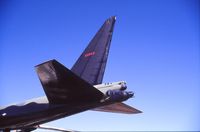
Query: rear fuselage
(37, 111)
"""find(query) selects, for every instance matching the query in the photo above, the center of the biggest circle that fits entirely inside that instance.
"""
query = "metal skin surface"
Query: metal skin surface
(33, 114)
(71, 91)
(45, 113)
(91, 65)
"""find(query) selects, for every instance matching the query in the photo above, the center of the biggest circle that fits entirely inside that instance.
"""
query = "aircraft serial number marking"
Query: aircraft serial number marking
(89, 54)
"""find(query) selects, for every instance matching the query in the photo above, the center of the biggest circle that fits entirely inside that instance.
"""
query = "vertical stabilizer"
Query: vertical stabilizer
(91, 64)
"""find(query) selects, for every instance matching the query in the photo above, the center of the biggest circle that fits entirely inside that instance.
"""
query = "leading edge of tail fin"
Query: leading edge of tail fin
(118, 108)
(90, 66)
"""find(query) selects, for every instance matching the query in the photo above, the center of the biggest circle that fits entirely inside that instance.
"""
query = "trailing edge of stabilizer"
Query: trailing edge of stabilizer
(118, 108)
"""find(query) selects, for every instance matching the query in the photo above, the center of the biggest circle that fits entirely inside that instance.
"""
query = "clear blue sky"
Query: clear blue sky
(155, 48)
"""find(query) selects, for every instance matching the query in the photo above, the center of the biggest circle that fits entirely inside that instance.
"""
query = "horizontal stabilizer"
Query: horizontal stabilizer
(62, 86)
(54, 128)
(118, 108)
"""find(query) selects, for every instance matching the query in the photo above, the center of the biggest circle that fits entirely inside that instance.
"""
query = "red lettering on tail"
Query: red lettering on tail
(89, 54)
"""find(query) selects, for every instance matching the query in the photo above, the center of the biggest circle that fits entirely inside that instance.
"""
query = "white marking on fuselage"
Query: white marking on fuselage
(104, 87)
(39, 100)
(4, 114)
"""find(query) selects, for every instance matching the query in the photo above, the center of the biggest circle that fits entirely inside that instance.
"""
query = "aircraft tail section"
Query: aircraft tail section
(91, 64)
(64, 87)
(118, 108)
